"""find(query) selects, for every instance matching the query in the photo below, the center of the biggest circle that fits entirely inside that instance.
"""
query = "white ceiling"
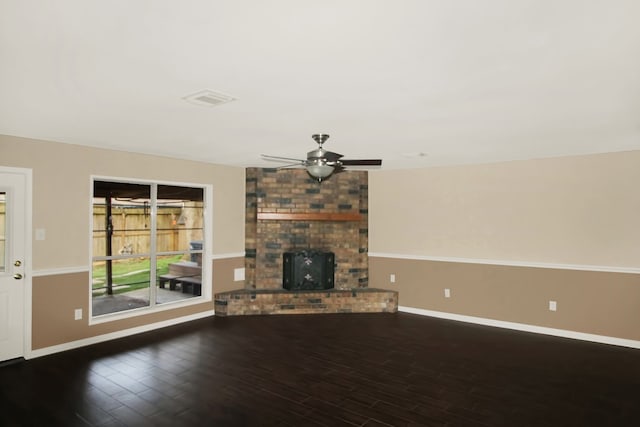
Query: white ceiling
(462, 81)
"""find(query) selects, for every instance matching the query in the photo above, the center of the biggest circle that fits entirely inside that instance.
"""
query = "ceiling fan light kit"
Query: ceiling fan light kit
(319, 170)
(320, 163)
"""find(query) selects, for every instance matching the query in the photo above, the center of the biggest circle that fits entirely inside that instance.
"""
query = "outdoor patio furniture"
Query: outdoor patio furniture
(191, 284)
(171, 278)
(183, 273)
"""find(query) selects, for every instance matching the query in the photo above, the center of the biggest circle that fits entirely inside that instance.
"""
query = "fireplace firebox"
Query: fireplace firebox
(310, 269)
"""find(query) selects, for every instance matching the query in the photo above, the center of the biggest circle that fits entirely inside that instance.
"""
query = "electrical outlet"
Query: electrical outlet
(553, 306)
(392, 278)
(77, 314)
(40, 234)
(238, 274)
(447, 293)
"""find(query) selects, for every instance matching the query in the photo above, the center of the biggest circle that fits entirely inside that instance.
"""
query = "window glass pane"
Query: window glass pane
(3, 233)
(121, 218)
(128, 288)
(180, 218)
(179, 231)
(177, 279)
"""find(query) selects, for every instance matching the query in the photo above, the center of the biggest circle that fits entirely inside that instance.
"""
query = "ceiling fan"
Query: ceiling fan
(320, 163)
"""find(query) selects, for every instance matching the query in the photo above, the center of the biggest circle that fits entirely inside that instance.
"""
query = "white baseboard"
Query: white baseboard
(115, 335)
(524, 327)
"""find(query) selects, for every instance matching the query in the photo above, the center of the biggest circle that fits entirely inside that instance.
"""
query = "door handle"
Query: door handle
(17, 263)
(17, 276)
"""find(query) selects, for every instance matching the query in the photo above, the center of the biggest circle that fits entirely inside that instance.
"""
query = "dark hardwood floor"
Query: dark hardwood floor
(327, 370)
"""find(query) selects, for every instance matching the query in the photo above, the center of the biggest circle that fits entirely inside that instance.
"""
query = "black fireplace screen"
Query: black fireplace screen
(308, 270)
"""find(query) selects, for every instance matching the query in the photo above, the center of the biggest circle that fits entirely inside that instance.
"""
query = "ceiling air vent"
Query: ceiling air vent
(208, 98)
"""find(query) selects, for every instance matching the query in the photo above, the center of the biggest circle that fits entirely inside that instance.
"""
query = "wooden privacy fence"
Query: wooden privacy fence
(176, 229)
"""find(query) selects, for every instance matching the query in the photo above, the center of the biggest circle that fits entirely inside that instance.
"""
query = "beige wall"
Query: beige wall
(61, 205)
(576, 212)
(61, 178)
(571, 210)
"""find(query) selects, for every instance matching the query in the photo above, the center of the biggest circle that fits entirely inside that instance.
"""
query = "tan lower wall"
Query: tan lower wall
(600, 303)
(223, 274)
(55, 297)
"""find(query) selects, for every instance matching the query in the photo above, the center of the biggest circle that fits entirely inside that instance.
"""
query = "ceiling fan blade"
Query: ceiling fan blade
(364, 162)
(339, 169)
(291, 166)
(331, 156)
(281, 159)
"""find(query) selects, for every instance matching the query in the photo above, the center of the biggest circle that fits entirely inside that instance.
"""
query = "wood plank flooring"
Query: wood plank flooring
(327, 370)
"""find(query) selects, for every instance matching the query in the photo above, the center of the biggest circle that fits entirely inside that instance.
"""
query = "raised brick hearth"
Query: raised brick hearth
(267, 301)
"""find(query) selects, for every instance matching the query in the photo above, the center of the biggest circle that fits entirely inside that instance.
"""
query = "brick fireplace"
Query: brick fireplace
(289, 212)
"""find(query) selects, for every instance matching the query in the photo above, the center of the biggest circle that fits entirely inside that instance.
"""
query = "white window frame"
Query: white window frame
(207, 257)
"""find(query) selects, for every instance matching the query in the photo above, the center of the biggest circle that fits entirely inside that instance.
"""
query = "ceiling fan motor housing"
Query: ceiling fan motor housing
(317, 154)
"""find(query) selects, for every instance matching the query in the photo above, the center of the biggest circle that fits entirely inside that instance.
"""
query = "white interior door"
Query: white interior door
(12, 264)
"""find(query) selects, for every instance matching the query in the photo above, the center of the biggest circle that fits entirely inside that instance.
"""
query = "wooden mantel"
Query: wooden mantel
(309, 216)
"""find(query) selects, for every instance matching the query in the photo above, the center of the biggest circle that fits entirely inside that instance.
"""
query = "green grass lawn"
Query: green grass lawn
(132, 272)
